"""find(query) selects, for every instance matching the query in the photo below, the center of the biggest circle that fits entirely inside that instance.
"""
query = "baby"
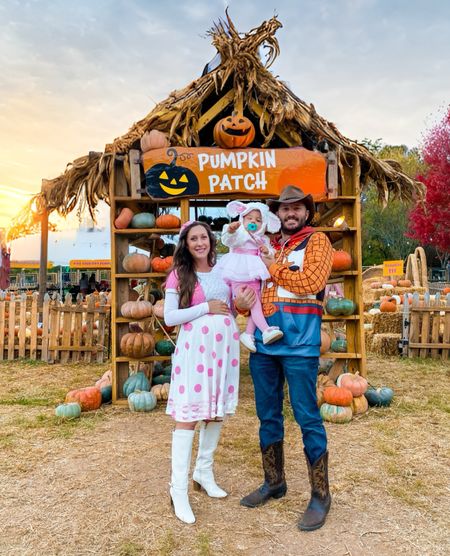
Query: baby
(243, 264)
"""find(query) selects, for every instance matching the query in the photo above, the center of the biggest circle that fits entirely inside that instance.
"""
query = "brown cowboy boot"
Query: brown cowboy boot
(320, 502)
(274, 485)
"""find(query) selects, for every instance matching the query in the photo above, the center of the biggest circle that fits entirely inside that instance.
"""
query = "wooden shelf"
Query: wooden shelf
(344, 273)
(332, 355)
(340, 317)
(125, 319)
(123, 359)
(141, 275)
(326, 229)
(134, 231)
(339, 199)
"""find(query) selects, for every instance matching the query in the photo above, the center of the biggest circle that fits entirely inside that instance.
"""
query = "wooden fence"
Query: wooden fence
(426, 327)
(59, 331)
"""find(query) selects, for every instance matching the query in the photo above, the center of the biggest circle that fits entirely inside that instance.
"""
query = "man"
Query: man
(293, 300)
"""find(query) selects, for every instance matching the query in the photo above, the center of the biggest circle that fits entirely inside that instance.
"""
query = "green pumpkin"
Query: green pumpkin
(161, 379)
(106, 392)
(143, 220)
(141, 401)
(325, 365)
(137, 381)
(336, 413)
(339, 346)
(337, 306)
(71, 410)
(164, 347)
(379, 397)
(158, 369)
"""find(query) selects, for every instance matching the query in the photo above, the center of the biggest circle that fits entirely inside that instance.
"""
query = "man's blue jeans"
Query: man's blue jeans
(268, 374)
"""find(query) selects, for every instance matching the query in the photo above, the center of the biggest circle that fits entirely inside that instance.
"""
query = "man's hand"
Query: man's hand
(233, 227)
(245, 298)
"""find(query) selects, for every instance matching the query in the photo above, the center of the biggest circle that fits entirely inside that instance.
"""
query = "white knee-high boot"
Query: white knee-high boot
(181, 461)
(203, 476)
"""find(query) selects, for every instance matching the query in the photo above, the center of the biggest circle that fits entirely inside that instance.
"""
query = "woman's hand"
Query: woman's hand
(218, 307)
(245, 298)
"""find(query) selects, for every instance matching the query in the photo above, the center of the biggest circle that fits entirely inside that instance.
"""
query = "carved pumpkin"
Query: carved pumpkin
(160, 264)
(166, 221)
(325, 341)
(136, 263)
(336, 413)
(356, 383)
(137, 344)
(336, 395)
(89, 398)
(154, 139)
(124, 218)
(169, 180)
(404, 283)
(71, 410)
(143, 220)
(341, 261)
(161, 391)
(143, 401)
(359, 405)
(234, 131)
(139, 309)
(340, 306)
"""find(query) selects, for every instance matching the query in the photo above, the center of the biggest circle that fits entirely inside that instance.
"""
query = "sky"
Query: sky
(75, 75)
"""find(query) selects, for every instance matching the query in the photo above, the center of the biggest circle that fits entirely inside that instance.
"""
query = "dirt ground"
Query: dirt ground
(99, 485)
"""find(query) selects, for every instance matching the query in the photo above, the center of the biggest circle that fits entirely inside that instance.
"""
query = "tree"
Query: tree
(430, 220)
(383, 229)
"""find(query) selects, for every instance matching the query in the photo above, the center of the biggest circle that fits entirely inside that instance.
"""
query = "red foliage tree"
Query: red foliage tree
(430, 220)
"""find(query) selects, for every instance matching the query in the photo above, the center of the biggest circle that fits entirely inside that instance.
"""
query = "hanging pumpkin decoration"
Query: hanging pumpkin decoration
(124, 218)
(337, 306)
(161, 264)
(167, 221)
(336, 413)
(136, 263)
(336, 395)
(342, 260)
(235, 131)
(356, 383)
(169, 180)
(89, 398)
(138, 310)
(137, 345)
(154, 139)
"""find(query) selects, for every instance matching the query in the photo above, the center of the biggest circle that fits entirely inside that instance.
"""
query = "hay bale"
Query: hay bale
(386, 344)
(368, 337)
(368, 318)
(387, 323)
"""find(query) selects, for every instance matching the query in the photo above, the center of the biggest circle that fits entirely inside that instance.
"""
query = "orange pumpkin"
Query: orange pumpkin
(89, 398)
(161, 264)
(153, 139)
(342, 260)
(234, 131)
(136, 262)
(137, 344)
(393, 283)
(356, 383)
(325, 342)
(158, 308)
(404, 283)
(446, 290)
(335, 395)
(139, 309)
(124, 218)
(168, 221)
(388, 306)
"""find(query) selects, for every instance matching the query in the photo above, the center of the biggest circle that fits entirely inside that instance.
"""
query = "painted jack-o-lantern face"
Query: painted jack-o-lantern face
(234, 131)
(170, 180)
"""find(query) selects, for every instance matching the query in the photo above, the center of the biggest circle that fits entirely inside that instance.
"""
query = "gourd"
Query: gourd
(336, 306)
(71, 410)
(356, 383)
(139, 309)
(137, 381)
(164, 347)
(374, 311)
(336, 413)
(89, 398)
(136, 262)
(105, 380)
(124, 218)
(359, 405)
(339, 345)
(137, 344)
(342, 260)
(336, 395)
(141, 401)
(160, 264)
(161, 391)
(234, 131)
(153, 139)
(143, 220)
(167, 221)
(404, 283)
(325, 341)
(380, 397)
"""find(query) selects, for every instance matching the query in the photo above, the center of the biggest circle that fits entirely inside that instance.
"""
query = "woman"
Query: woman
(205, 375)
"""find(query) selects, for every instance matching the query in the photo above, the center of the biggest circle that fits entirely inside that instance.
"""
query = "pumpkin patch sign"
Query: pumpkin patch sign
(197, 172)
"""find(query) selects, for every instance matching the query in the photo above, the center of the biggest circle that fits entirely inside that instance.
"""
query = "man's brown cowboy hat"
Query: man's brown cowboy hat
(293, 194)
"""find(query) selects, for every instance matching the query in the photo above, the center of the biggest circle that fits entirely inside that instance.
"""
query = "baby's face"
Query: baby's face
(253, 217)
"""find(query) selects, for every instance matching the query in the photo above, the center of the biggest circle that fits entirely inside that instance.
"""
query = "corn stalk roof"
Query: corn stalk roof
(264, 98)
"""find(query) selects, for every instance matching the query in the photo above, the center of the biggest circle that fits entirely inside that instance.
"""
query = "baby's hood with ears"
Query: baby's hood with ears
(270, 221)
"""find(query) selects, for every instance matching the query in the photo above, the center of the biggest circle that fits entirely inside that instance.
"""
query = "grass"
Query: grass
(130, 548)
(203, 544)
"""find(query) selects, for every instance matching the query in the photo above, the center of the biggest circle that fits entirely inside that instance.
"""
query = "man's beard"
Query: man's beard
(292, 231)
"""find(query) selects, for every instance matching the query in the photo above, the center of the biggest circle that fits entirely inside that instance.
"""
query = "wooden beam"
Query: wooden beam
(44, 253)
(258, 109)
(220, 105)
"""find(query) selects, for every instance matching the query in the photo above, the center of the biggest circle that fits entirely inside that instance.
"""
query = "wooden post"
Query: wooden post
(44, 252)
